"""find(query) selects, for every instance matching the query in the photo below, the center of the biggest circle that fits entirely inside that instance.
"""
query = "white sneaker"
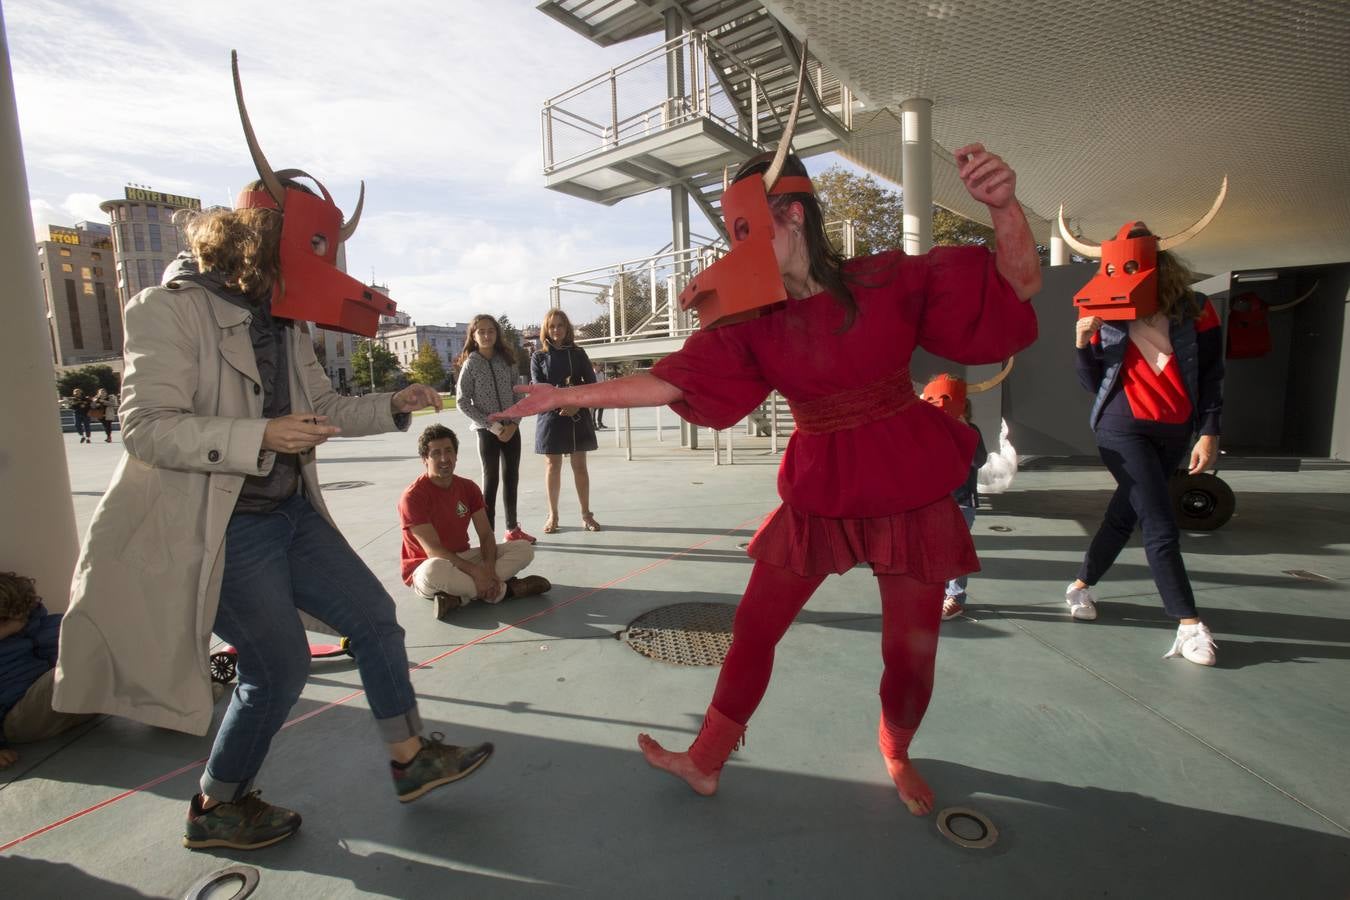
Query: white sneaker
(1195, 643)
(1082, 603)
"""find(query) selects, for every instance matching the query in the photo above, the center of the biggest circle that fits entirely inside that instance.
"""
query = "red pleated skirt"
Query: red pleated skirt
(930, 544)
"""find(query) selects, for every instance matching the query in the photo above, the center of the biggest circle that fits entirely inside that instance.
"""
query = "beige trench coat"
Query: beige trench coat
(135, 641)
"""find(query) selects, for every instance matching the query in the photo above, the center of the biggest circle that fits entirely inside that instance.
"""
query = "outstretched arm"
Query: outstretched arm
(642, 389)
(992, 181)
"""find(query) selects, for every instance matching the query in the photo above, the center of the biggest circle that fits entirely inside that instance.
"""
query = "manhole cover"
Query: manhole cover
(686, 634)
(344, 485)
(1002, 529)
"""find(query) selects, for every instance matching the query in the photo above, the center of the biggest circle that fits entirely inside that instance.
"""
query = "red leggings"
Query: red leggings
(911, 612)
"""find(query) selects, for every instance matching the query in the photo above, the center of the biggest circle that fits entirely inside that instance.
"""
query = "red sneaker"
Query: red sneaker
(517, 534)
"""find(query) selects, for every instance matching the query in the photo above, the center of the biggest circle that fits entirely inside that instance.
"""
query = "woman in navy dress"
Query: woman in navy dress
(567, 431)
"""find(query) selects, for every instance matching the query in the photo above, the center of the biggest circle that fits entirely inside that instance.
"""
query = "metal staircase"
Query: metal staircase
(624, 133)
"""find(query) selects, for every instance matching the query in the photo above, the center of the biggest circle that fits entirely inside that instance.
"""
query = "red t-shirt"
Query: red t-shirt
(448, 509)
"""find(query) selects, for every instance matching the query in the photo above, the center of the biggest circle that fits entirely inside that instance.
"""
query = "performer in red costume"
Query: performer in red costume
(1150, 349)
(869, 471)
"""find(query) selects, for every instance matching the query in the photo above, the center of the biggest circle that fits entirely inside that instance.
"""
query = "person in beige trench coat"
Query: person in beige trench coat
(147, 590)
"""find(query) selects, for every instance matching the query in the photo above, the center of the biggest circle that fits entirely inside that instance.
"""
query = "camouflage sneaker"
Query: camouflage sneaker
(247, 824)
(437, 763)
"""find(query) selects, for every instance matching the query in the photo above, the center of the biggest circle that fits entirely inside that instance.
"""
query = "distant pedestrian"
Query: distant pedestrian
(101, 409)
(80, 405)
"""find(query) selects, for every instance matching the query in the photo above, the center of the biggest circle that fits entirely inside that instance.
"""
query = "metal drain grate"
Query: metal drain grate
(344, 485)
(686, 634)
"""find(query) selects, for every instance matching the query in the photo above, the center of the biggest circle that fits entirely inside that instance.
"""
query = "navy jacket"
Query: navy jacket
(27, 656)
(554, 433)
(1200, 356)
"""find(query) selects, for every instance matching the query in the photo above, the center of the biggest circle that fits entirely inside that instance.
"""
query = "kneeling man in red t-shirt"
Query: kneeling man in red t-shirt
(435, 511)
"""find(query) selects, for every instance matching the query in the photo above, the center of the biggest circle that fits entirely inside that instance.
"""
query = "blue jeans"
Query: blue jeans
(276, 563)
(957, 586)
(1142, 465)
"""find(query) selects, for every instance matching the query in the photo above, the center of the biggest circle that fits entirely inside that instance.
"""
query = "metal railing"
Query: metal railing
(632, 101)
(636, 295)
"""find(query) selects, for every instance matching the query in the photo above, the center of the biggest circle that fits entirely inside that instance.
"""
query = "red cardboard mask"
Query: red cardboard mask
(1249, 323)
(1126, 285)
(744, 281)
(312, 286)
(948, 393)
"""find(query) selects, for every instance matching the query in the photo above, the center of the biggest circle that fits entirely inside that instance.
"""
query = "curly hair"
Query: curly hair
(241, 245)
(434, 433)
(18, 596)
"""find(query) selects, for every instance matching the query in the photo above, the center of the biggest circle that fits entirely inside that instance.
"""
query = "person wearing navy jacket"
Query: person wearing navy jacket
(569, 430)
(1158, 380)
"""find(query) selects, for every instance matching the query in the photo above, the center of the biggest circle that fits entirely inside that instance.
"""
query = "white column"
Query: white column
(916, 160)
(37, 528)
(1059, 251)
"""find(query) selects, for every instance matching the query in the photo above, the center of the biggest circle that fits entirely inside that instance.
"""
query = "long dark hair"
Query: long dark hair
(826, 265)
(471, 343)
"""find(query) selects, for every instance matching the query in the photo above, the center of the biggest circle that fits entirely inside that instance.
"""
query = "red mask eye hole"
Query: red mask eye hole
(741, 230)
(1131, 266)
(1110, 268)
(320, 244)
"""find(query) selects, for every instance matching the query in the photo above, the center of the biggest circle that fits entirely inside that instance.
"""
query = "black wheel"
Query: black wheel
(223, 667)
(1201, 502)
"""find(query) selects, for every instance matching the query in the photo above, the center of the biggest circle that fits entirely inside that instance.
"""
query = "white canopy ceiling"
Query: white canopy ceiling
(1120, 110)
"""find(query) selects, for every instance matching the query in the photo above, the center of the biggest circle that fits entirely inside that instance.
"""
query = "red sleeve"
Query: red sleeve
(971, 315)
(718, 374)
(473, 497)
(413, 508)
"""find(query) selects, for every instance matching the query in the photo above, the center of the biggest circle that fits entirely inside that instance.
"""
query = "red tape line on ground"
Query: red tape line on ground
(354, 694)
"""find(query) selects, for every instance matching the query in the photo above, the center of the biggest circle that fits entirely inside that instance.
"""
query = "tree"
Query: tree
(385, 364)
(508, 335)
(635, 290)
(89, 379)
(878, 214)
(427, 367)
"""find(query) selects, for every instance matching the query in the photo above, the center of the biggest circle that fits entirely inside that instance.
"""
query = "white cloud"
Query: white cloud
(436, 105)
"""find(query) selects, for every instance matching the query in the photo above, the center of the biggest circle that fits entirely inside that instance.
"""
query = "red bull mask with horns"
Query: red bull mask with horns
(744, 281)
(312, 287)
(948, 393)
(1126, 285)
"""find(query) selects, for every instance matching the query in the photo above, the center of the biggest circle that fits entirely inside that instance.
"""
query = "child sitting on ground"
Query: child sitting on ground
(28, 638)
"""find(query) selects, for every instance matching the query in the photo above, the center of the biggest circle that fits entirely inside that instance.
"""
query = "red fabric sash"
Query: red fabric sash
(856, 406)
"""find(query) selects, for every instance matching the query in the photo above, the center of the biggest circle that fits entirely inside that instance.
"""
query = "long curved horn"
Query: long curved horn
(983, 386)
(1085, 249)
(349, 227)
(1292, 303)
(785, 142)
(269, 178)
(1182, 237)
(726, 178)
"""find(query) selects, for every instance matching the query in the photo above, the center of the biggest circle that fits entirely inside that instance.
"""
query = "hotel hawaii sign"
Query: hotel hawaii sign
(146, 195)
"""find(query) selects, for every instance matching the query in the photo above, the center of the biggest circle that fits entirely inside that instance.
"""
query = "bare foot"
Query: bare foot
(914, 791)
(679, 765)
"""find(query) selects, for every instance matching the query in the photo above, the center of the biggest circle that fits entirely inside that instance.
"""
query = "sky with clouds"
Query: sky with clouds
(437, 107)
